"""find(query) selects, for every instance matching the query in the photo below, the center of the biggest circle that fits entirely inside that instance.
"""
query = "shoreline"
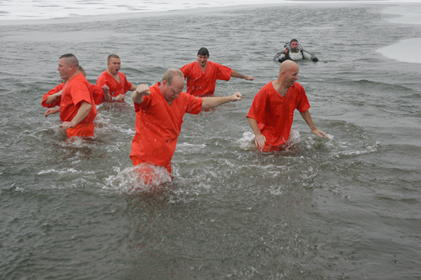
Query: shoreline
(183, 11)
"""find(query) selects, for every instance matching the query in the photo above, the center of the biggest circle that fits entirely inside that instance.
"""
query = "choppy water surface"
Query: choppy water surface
(345, 208)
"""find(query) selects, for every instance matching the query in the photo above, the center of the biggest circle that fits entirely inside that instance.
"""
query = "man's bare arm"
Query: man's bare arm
(235, 74)
(307, 117)
(212, 102)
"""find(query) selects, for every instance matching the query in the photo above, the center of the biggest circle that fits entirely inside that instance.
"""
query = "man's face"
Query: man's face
(291, 75)
(114, 65)
(171, 92)
(202, 60)
(294, 45)
(64, 68)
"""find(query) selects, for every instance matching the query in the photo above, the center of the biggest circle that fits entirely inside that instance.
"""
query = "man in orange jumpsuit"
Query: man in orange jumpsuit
(272, 111)
(159, 115)
(115, 80)
(202, 74)
(52, 98)
(77, 107)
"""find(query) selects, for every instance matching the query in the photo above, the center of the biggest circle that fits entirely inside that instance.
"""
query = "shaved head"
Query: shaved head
(68, 66)
(70, 59)
(288, 73)
(287, 65)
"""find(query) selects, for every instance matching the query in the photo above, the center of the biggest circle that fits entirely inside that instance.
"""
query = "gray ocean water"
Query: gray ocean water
(344, 208)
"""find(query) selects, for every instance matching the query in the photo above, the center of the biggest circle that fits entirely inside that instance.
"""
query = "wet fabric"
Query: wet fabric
(75, 92)
(116, 88)
(56, 102)
(81, 130)
(97, 93)
(158, 125)
(203, 83)
(274, 114)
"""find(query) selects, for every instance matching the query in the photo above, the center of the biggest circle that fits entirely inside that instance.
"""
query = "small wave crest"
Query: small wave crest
(247, 141)
(144, 177)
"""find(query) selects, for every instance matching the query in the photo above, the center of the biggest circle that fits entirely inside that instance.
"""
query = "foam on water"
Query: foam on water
(247, 141)
(65, 171)
(134, 179)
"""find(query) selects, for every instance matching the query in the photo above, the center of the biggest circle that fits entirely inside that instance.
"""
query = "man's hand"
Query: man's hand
(320, 133)
(142, 90)
(249, 78)
(51, 111)
(139, 92)
(235, 97)
(67, 125)
(260, 141)
(105, 89)
(119, 97)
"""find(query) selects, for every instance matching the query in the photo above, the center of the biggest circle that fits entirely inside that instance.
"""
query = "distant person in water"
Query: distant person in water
(52, 98)
(159, 114)
(202, 74)
(115, 80)
(272, 111)
(294, 51)
(76, 101)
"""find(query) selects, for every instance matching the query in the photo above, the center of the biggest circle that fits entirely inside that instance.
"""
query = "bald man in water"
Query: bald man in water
(272, 111)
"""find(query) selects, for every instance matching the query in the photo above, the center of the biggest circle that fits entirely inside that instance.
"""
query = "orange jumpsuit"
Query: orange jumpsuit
(116, 88)
(77, 90)
(201, 83)
(56, 102)
(96, 91)
(158, 126)
(274, 114)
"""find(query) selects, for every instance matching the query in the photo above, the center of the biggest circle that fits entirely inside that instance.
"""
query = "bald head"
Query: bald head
(287, 65)
(288, 73)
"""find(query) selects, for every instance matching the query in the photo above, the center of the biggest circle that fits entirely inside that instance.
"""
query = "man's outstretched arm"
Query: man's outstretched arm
(212, 102)
(307, 117)
(235, 74)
